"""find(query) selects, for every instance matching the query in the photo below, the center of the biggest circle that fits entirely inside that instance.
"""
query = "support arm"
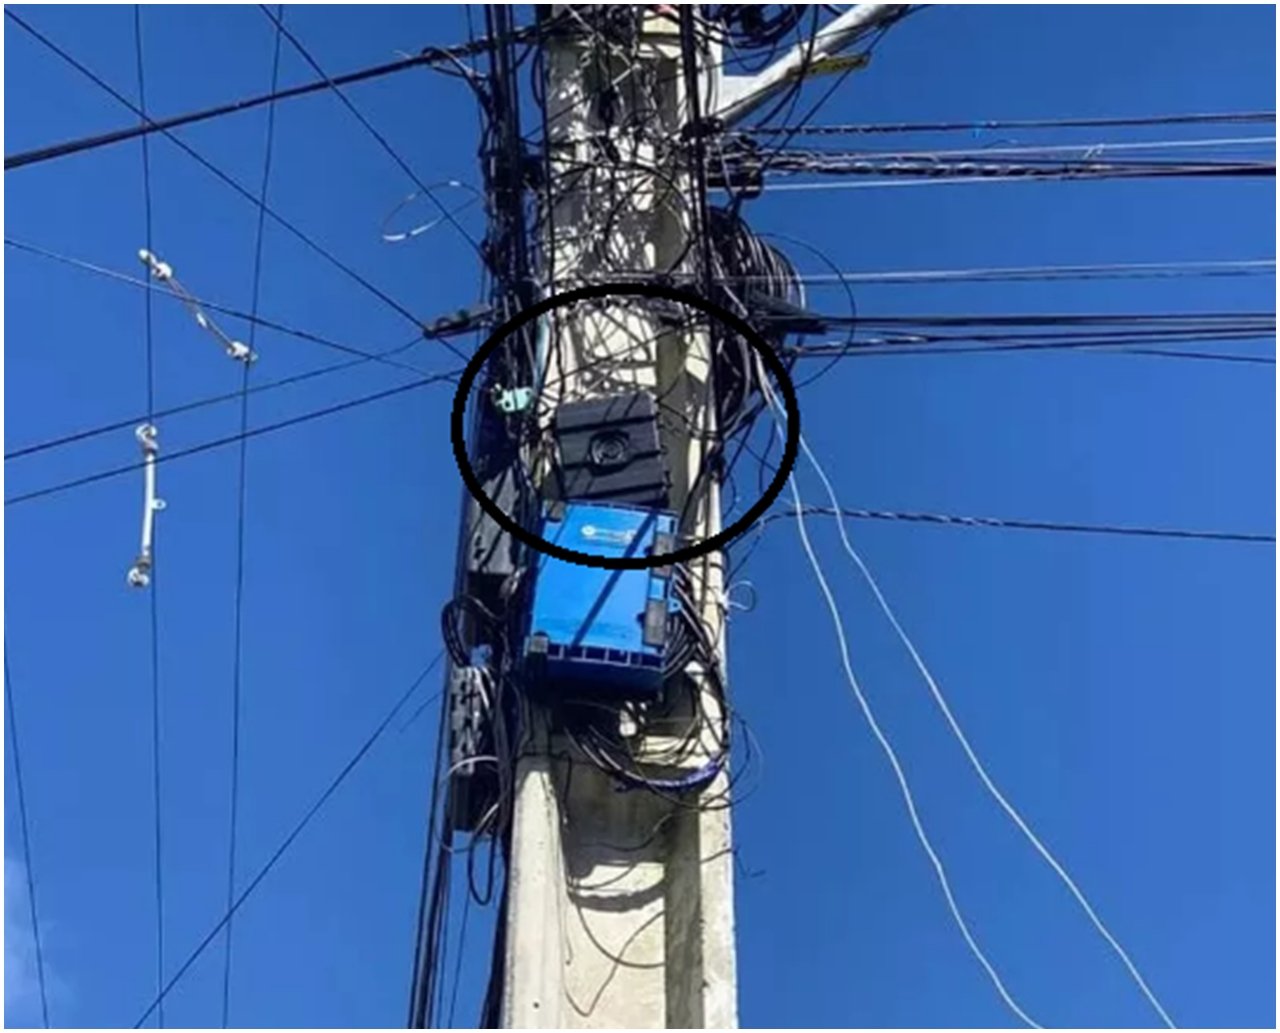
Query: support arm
(742, 94)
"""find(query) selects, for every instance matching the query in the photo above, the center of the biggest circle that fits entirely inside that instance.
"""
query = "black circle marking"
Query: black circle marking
(754, 340)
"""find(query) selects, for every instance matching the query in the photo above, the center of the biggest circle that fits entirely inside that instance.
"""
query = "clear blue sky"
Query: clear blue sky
(1122, 691)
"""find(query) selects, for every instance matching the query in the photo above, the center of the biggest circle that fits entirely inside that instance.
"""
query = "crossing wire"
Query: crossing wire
(427, 332)
(224, 177)
(291, 838)
(448, 215)
(241, 503)
(426, 57)
(153, 600)
(206, 446)
(201, 403)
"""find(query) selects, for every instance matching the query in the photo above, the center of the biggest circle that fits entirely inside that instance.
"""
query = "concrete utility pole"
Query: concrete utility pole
(620, 909)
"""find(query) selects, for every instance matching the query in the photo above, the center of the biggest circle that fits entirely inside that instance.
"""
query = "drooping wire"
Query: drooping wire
(890, 753)
(974, 762)
(241, 504)
(20, 788)
(292, 837)
(153, 590)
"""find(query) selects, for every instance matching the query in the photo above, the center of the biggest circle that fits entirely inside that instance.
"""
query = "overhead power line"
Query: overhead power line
(107, 428)
(288, 840)
(437, 331)
(153, 591)
(975, 167)
(1036, 273)
(1026, 123)
(231, 439)
(241, 512)
(902, 348)
(954, 334)
(1005, 523)
(224, 177)
(427, 192)
(1090, 151)
(914, 174)
(428, 56)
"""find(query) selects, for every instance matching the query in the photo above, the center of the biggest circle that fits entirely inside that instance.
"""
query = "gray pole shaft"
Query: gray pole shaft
(620, 904)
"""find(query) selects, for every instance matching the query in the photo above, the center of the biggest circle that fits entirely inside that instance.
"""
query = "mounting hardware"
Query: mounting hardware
(513, 400)
(140, 572)
(163, 272)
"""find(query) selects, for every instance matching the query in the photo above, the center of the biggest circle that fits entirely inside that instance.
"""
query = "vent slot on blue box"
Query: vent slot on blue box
(595, 632)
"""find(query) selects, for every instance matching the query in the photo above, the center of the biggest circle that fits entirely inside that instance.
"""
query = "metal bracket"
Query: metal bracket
(140, 572)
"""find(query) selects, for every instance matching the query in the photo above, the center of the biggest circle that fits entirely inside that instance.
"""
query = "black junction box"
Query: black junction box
(610, 451)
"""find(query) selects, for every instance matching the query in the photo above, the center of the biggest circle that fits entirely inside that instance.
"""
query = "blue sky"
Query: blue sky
(1121, 691)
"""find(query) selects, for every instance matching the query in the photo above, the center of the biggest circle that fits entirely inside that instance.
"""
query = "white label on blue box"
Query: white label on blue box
(604, 534)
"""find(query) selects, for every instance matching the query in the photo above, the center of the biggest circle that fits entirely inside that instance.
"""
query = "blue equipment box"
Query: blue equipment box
(599, 632)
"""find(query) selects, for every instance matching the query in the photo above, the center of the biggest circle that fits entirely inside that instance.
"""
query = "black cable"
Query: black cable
(237, 187)
(19, 786)
(268, 428)
(438, 330)
(950, 520)
(382, 140)
(153, 586)
(288, 841)
(241, 505)
(427, 57)
(270, 385)
(914, 170)
(457, 965)
(434, 893)
(1102, 347)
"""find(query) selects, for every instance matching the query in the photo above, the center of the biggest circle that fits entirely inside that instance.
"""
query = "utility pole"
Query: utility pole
(621, 903)
(588, 716)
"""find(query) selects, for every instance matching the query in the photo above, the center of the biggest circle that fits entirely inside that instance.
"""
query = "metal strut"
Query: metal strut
(163, 272)
(140, 572)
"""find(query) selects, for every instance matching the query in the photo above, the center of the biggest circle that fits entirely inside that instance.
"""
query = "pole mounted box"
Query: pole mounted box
(596, 632)
(610, 451)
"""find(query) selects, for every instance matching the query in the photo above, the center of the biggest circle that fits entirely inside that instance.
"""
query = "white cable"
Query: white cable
(888, 749)
(1089, 150)
(981, 771)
